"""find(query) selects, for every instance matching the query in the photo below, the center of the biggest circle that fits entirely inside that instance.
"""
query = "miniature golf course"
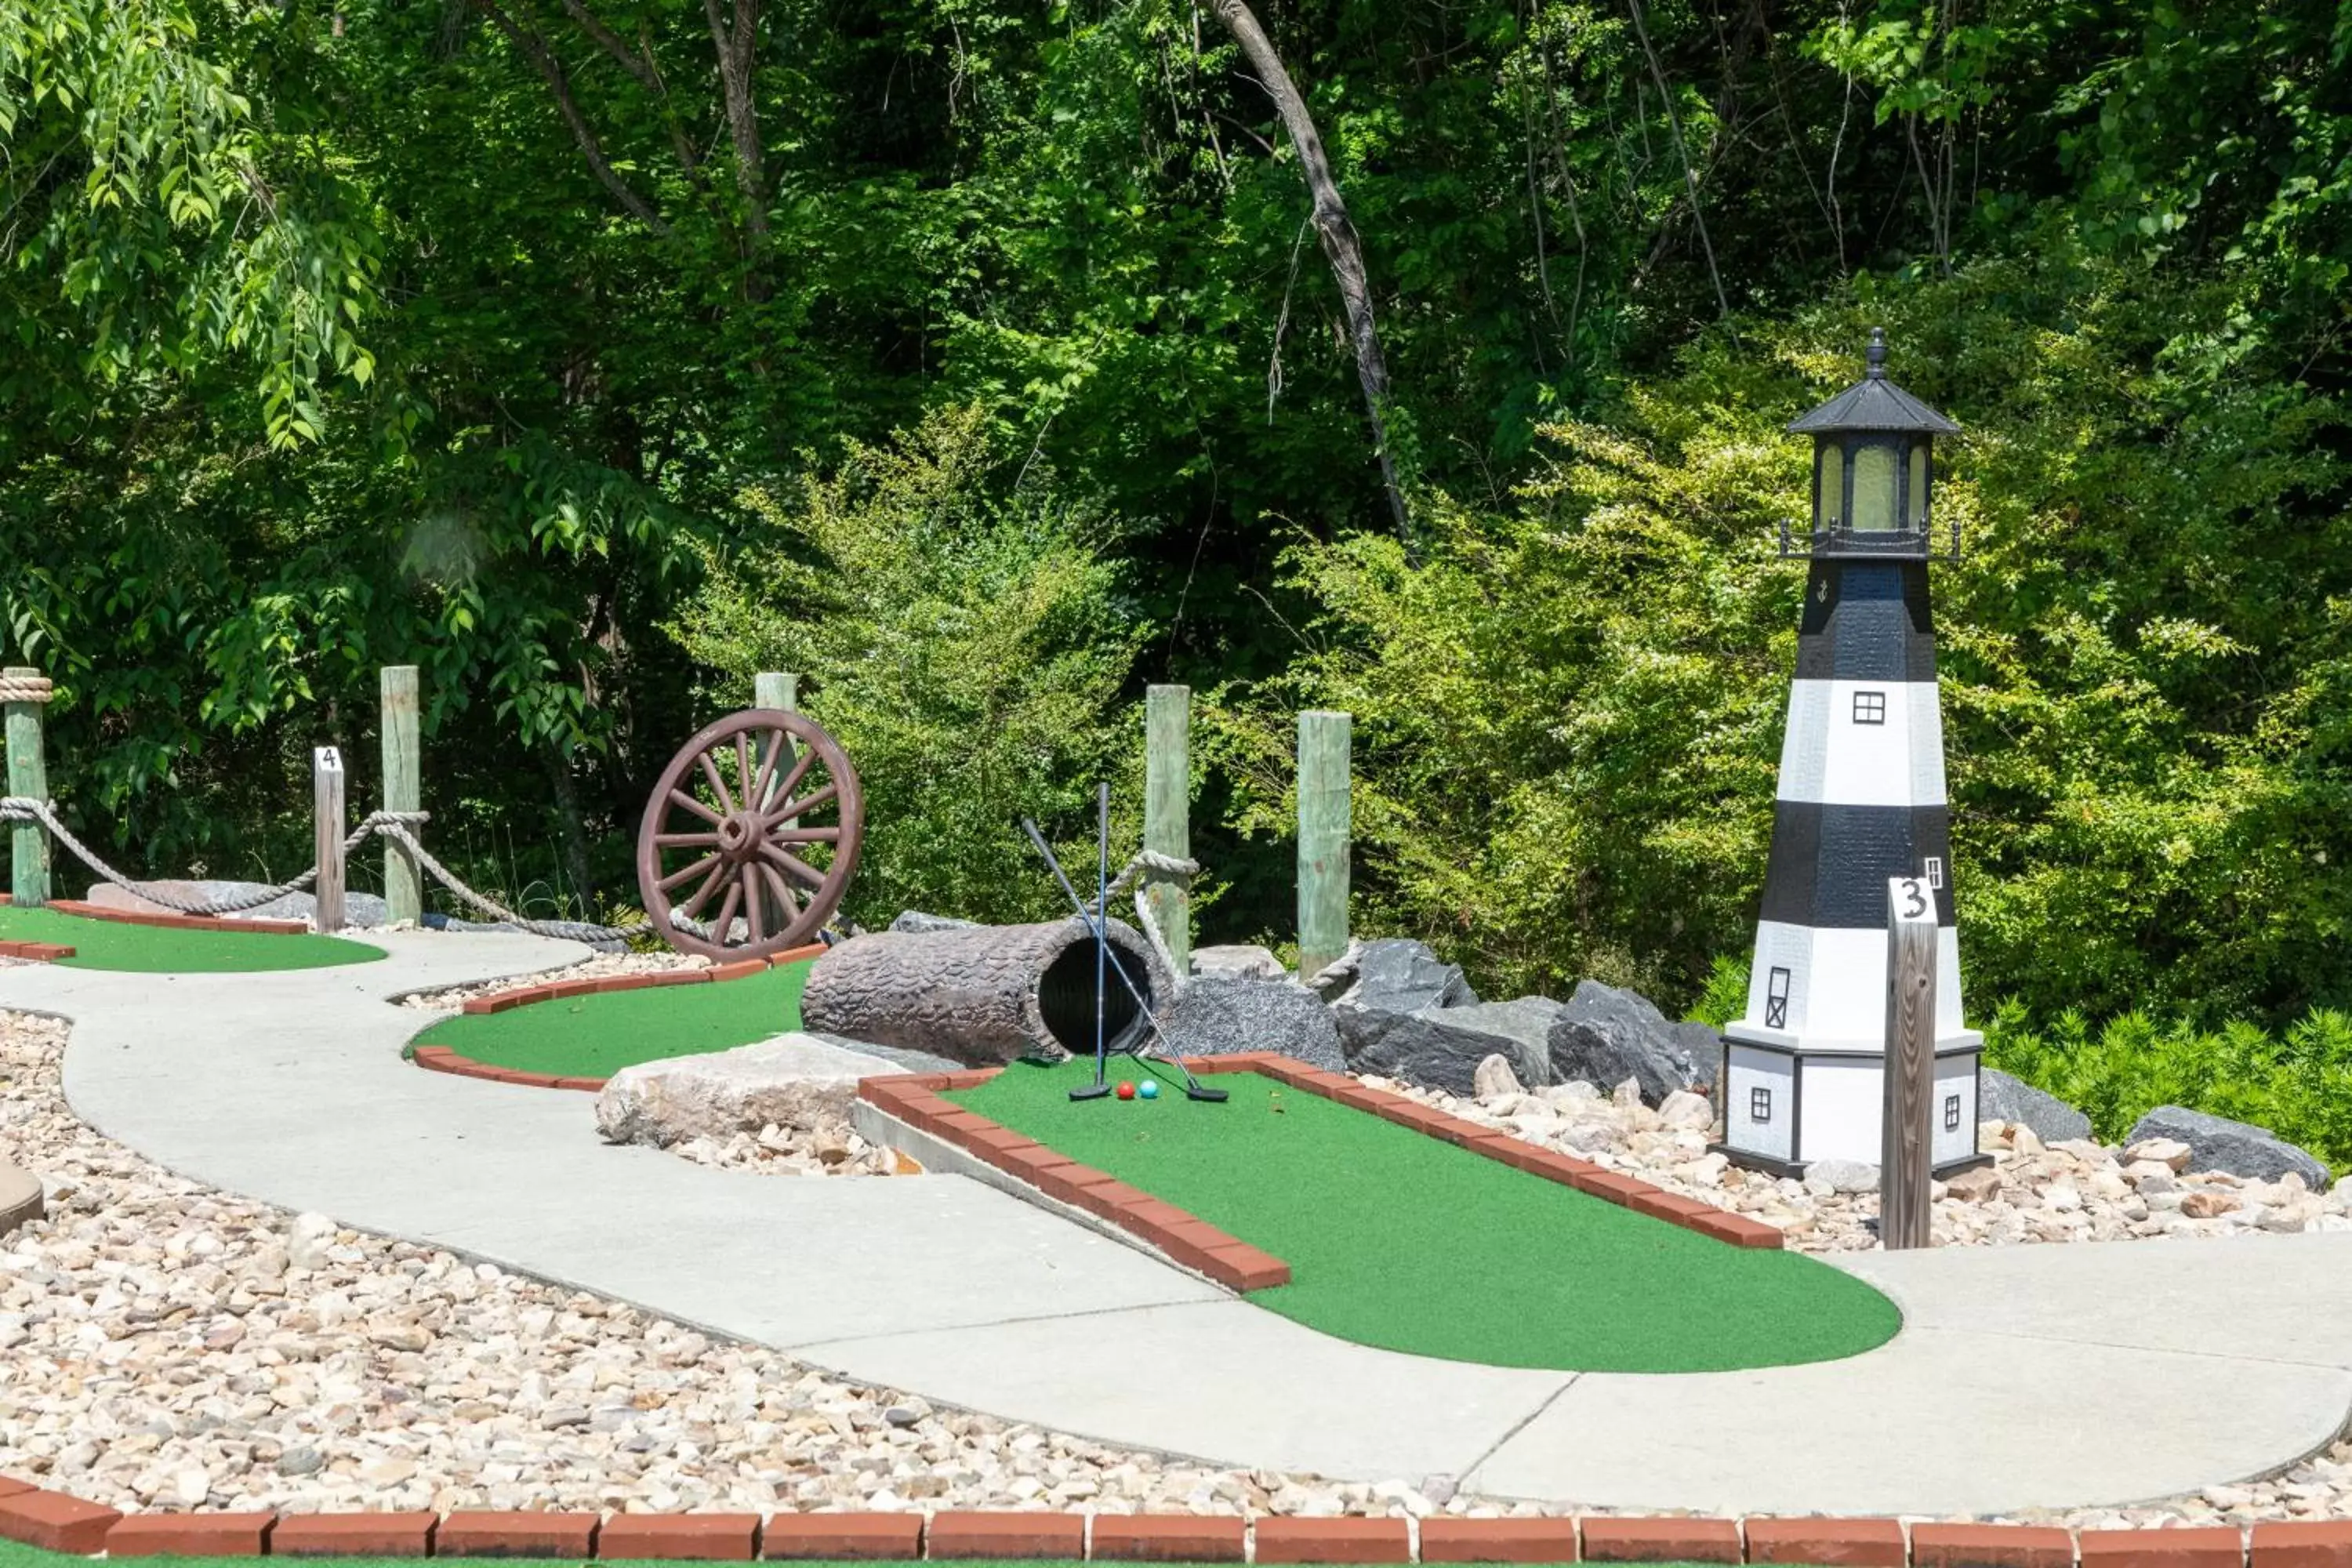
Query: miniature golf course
(1399, 1240)
(156, 949)
(597, 1035)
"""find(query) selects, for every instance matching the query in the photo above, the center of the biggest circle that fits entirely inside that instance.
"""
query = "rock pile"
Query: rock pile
(2073, 1190)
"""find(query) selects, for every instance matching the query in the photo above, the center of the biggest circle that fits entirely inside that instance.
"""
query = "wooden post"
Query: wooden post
(28, 776)
(1323, 836)
(776, 688)
(404, 889)
(1168, 810)
(1905, 1155)
(327, 808)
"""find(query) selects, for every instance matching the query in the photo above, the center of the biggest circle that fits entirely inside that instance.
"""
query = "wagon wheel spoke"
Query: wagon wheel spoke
(675, 878)
(702, 895)
(680, 798)
(808, 802)
(743, 768)
(725, 924)
(718, 784)
(793, 864)
(751, 904)
(804, 836)
(789, 783)
(685, 841)
(783, 894)
(763, 789)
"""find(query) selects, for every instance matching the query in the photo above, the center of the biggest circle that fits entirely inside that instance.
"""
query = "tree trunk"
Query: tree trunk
(1341, 246)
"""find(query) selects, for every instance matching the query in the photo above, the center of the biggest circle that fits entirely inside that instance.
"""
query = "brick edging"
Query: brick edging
(178, 922)
(57, 1522)
(1190, 1241)
(36, 952)
(441, 1058)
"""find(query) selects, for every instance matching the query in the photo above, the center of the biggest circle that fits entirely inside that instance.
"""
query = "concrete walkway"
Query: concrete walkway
(2030, 1376)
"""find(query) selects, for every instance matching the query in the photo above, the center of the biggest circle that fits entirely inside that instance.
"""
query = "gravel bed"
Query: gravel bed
(166, 1346)
(449, 998)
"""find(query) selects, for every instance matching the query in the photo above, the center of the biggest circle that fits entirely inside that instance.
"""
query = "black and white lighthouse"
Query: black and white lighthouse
(1860, 800)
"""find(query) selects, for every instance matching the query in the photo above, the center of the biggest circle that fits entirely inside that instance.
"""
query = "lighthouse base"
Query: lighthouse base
(1784, 1108)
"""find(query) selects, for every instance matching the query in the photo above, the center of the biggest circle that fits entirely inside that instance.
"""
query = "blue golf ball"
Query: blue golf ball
(1148, 1089)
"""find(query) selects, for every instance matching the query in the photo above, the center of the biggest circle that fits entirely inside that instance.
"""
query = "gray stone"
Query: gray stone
(1495, 1078)
(1331, 982)
(300, 1461)
(1238, 961)
(916, 920)
(890, 1057)
(1397, 974)
(793, 1080)
(1442, 1047)
(1844, 1175)
(1607, 1036)
(2000, 1097)
(2217, 1144)
(1216, 1015)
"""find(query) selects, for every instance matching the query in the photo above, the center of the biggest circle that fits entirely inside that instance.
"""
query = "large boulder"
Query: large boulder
(2218, 1143)
(2000, 1097)
(359, 909)
(1606, 1035)
(793, 1081)
(1442, 1047)
(1239, 960)
(1397, 974)
(1223, 1014)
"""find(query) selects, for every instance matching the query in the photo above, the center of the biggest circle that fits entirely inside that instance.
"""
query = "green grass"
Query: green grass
(1399, 1240)
(114, 944)
(596, 1036)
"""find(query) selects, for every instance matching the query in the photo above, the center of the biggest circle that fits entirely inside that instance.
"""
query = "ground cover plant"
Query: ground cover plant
(596, 1036)
(120, 944)
(1399, 1240)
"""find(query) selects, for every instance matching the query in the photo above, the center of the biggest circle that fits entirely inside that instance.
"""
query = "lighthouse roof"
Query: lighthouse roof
(1874, 403)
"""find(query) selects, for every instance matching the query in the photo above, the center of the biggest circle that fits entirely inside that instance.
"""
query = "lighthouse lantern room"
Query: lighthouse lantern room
(1861, 799)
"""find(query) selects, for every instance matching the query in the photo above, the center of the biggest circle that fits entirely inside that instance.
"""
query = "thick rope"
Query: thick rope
(1147, 867)
(25, 689)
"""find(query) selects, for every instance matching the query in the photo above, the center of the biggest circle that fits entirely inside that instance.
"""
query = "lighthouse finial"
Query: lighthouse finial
(1877, 356)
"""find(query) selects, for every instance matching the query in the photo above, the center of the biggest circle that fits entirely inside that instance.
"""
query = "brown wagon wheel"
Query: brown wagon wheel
(755, 822)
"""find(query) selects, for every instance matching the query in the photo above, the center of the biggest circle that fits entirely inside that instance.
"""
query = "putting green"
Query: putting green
(1396, 1239)
(117, 944)
(597, 1035)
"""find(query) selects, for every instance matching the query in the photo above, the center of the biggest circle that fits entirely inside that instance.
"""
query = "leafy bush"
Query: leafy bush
(963, 639)
(2297, 1083)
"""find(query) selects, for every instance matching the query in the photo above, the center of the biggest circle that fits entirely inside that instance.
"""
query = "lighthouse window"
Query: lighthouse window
(1951, 1114)
(1830, 486)
(1760, 1105)
(1775, 999)
(1870, 708)
(1875, 478)
(1935, 870)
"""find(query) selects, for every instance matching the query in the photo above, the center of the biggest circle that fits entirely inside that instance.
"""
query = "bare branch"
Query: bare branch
(535, 49)
(639, 66)
(1341, 245)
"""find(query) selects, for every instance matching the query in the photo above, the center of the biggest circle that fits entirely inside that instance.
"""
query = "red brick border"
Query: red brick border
(1193, 1243)
(185, 922)
(57, 1522)
(441, 1058)
(36, 952)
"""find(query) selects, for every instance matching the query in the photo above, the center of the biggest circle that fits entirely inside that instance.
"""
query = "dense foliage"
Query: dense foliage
(592, 354)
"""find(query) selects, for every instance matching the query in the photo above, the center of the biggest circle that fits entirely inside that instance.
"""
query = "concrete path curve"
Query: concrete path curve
(2031, 1376)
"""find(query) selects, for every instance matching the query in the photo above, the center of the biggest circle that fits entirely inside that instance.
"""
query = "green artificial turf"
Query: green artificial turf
(597, 1035)
(1397, 1239)
(117, 944)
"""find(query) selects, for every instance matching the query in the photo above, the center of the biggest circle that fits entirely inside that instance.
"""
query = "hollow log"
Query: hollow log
(985, 994)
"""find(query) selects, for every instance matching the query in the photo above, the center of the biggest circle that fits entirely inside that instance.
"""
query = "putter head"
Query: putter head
(1211, 1096)
(1090, 1091)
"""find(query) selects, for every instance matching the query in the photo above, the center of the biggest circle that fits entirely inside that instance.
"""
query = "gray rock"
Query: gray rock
(1331, 982)
(1397, 974)
(1440, 1049)
(2000, 1097)
(300, 1461)
(1845, 1175)
(791, 1081)
(1495, 1078)
(1239, 960)
(1216, 1015)
(2218, 1143)
(1607, 1036)
(916, 920)
(890, 1057)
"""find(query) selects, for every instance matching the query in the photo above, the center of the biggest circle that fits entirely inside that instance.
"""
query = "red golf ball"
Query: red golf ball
(1125, 1091)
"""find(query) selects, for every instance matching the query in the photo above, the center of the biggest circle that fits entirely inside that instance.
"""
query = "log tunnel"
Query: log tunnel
(984, 995)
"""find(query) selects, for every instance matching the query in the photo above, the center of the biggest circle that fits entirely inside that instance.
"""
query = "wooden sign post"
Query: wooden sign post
(404, 879)
(327, 806)
(1324, 831)
(1168, 810)
(1905, 1162)
(28, 776)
